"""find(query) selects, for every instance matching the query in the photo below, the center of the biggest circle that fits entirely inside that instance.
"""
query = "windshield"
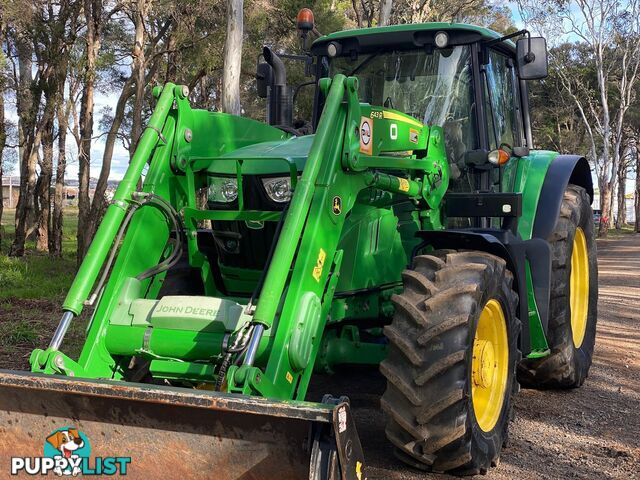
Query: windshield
(434, 88)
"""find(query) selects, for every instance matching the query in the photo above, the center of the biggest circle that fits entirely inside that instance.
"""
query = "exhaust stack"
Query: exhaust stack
(280, 94)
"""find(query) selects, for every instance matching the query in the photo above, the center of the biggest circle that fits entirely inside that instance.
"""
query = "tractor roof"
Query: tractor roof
(405, 37)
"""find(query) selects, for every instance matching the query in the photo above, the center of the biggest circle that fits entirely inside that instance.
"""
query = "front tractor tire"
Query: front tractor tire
(574, 298)
(451, 365)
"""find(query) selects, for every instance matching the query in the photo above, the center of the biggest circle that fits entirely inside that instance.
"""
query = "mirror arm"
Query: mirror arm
(490, 43)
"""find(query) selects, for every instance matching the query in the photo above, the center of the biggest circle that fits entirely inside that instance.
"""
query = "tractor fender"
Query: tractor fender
(564, 169)
(501, 243)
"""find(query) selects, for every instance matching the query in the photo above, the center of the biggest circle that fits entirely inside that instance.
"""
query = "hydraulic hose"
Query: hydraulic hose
(172, 216)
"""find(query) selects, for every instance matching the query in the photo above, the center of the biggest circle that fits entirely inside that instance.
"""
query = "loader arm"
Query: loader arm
(305, 267)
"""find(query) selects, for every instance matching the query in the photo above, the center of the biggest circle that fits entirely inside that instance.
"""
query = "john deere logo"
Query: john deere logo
(67, 451)
(337, 205)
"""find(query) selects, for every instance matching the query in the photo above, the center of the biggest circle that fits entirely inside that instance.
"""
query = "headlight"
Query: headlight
(278, 189)
(222, 190)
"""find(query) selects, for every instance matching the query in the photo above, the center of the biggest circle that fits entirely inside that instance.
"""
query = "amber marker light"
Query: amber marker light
(499, 156)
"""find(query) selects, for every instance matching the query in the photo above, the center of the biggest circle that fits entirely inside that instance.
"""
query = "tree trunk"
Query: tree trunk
(232, 58)
(97, 206)
(621, 218)
(28, 151)
(172, 61)
(637, 192)
(138, 75)
(3, 141)
(55, 237)
(3, 136)
(384, 16)
(605, 207)
(43, 193)
(92, 12)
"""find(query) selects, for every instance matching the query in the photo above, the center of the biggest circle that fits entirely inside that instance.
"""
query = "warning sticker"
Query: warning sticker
(366, 135)
(342, 420)
(317, 270)
(413, 135)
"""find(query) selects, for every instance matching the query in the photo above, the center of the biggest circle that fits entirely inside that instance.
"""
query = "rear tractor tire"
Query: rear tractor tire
(451, 368)
(574, 299)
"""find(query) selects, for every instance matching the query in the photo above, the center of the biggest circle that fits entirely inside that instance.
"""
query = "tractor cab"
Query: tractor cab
(468, 80)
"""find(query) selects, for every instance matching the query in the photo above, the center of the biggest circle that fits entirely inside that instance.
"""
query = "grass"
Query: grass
(12, 334)
(618, 233)
(32, 289)
(37, 275)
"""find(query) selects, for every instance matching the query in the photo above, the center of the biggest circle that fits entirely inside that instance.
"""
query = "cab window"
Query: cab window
(501, 102)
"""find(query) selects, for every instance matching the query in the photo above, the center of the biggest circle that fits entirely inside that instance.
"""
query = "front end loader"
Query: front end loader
(414, 228)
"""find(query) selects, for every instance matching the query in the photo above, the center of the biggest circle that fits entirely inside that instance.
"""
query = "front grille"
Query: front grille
(233, 243)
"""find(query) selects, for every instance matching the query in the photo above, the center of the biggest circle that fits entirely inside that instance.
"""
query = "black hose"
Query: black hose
(114, 249)
(172, 215)
(222, 372)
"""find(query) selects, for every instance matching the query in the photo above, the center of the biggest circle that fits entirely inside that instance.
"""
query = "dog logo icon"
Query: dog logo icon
(70, 444)
(67, 452)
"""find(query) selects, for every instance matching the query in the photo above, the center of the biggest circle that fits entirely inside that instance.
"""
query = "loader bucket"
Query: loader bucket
(168, 432)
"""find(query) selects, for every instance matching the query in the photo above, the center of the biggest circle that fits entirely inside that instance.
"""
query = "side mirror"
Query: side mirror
(264, 78)
(531, 56)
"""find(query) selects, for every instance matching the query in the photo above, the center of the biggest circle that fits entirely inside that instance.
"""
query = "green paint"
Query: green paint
(485, 33)
(528, 179)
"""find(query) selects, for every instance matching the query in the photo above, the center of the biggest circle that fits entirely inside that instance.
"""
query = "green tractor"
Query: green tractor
(409, 223)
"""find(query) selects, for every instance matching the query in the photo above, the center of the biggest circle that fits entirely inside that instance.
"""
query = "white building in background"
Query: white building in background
(11, 190)
(630, 206)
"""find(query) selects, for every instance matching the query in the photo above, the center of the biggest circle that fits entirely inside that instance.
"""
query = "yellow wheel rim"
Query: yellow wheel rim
(490, 365)
(579, 287)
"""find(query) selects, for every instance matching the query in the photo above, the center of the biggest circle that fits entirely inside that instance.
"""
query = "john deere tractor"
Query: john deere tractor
(407, 223)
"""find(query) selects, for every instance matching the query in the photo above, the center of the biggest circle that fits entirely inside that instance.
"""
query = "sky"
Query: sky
(120, 159)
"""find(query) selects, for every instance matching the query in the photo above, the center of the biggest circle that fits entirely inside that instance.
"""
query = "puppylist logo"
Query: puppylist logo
(67, 452)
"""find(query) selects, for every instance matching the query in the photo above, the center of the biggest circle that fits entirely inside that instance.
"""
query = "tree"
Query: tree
(609, 32)
(637, 191)
(138, 73)
(556, 123)
(384, 15)
(144, 64)
(43, 32)
(480, 12)
(93, 36)
(27, 102)
(232, 58)
(64, 107)
(3, 130)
